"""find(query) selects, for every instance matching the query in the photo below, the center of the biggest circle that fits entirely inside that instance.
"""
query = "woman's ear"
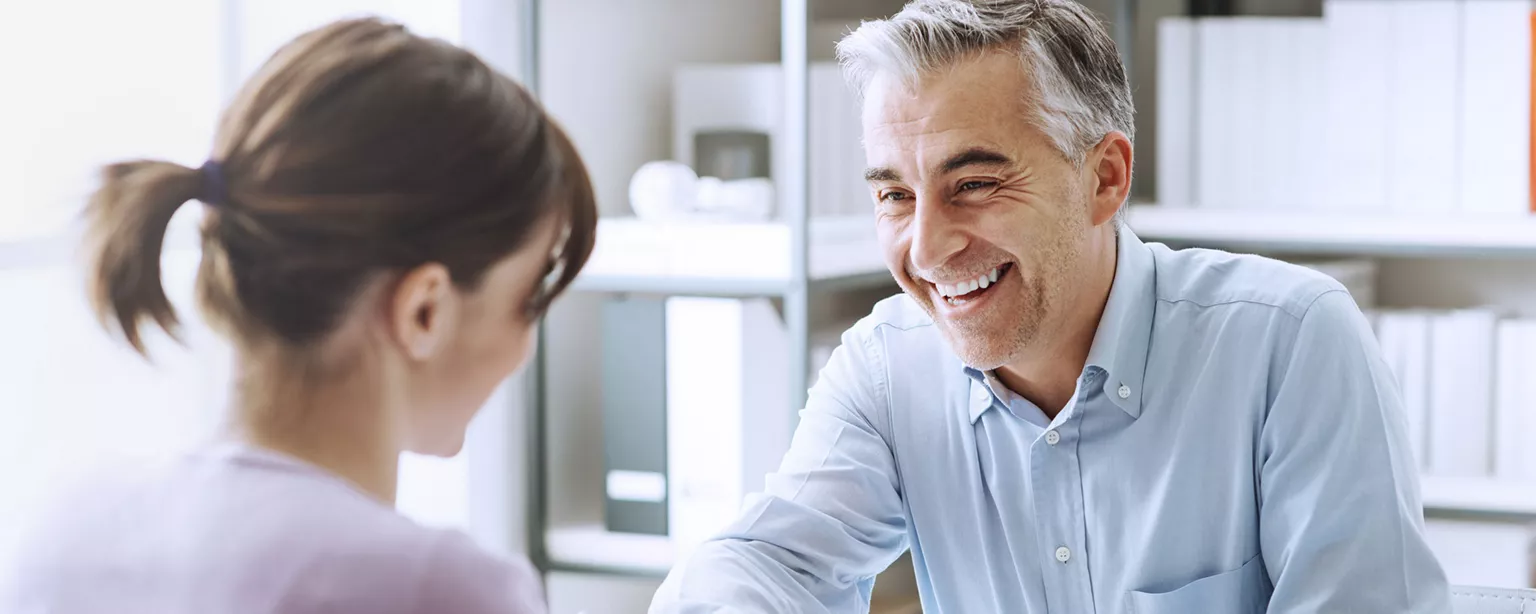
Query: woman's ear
(423, 311)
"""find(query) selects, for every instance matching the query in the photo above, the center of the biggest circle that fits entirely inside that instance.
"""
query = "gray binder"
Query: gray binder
(634, 392)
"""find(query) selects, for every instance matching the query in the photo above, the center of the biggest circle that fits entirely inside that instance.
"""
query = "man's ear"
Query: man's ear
(423, 310)
(1110, 165)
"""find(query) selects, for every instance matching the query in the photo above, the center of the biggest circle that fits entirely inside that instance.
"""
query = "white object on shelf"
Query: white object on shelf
(1176, 110)
(663, 190)
(1495, 102)
(1215, 147)
(842, 246)
(726, 399)
(1424, 80)
(1482, 495)
(1461, 393)
(1404, 339)
(590, 545)
(1357, 233)
(1514, 418)
(1359, 65)
(750, 97)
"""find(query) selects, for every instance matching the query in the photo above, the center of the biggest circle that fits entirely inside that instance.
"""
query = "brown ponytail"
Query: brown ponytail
(127, 220)
(359, 149)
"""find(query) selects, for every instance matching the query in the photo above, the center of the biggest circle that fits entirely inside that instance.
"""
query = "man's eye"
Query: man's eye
(892, 196)
(976, 185)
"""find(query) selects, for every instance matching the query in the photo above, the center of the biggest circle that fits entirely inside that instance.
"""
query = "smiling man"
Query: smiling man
(1055, 416)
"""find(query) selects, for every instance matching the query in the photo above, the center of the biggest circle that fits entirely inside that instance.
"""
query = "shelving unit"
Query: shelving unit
(796, 259)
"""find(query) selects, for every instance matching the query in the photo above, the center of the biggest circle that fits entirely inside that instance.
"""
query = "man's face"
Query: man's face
(969, 193)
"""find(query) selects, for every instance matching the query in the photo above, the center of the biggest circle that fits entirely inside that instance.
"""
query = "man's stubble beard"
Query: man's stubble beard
(987, 346)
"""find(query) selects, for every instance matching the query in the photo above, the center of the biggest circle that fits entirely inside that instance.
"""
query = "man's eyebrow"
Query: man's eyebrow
(881, 173)
(975, 156)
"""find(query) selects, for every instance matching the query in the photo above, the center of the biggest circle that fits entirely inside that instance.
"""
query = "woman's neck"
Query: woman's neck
(342, 423)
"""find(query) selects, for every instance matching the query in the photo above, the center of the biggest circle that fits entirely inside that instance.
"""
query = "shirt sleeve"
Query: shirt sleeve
(461, 577)
(830, 518)
(1341, 521)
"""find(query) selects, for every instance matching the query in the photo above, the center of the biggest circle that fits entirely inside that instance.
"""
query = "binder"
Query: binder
(1495, 107)
(1461, 393)
(1425, 78)
(1358, 108)
(1176, 111)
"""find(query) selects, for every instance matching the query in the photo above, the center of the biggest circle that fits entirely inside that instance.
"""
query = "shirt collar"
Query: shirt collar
(1123, 337)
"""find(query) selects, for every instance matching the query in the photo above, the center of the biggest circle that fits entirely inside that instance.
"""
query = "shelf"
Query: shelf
(1478, 496)
(730, 259)
(590, 547)
(1372, 233)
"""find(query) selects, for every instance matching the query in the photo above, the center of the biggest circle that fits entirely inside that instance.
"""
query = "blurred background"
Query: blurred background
(1387, 143)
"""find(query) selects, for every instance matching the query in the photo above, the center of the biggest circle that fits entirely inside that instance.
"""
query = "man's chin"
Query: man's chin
(976, 351)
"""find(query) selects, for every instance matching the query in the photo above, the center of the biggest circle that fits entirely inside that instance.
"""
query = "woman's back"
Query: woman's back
(237, 529)
(387, 218)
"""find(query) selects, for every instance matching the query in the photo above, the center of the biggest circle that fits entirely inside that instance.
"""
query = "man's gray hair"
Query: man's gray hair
(1080, 92)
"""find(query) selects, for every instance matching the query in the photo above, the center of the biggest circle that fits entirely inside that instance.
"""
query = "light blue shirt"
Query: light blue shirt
(1235, 444)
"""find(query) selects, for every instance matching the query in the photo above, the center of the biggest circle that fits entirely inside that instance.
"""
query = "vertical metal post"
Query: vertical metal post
(794, 189)
(537, 437)
(1125, 36)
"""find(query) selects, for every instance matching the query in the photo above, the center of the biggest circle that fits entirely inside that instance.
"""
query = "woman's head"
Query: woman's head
(379, 203)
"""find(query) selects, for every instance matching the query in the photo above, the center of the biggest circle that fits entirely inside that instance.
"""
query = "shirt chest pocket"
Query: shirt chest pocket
(1244, 590)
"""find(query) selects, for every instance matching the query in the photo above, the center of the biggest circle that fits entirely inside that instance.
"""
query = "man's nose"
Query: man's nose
(935, 235)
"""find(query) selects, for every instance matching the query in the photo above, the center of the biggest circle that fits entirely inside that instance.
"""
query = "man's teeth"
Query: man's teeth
(971, 285)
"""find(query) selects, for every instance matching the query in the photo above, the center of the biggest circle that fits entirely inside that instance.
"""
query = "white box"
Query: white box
(729, 419)
(751, 97)
(1176, 111)
(1359, 65)
(1425, 79)
(1495, 107)
(1461, 393)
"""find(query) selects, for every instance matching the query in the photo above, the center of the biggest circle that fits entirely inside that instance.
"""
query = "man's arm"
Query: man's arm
(1341, 523)
(830, 519)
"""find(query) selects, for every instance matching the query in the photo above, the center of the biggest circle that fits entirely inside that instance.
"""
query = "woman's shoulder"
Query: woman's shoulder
(461, 576)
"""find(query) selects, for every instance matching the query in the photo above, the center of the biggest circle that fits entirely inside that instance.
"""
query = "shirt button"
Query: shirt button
(1125, 391)
(1051, 437)
(1063, 554)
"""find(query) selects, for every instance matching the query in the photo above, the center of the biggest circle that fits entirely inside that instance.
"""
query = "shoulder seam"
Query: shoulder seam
(1283, 309)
